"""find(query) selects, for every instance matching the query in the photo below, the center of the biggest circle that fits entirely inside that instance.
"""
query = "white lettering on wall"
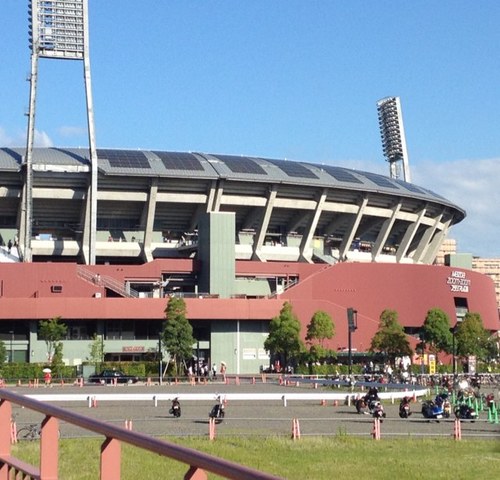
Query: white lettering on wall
(458, 282)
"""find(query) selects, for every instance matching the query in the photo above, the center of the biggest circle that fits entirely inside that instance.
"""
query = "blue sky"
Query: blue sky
(282, 79)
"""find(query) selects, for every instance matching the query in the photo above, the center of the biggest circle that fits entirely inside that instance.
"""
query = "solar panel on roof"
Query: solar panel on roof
(124, 158)
(341, 174)
(379, 180)
(242, 164)
(179, 161)
(409, 186)
(293, 169)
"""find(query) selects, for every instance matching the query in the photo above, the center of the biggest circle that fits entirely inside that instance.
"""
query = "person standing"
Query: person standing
(223, 371)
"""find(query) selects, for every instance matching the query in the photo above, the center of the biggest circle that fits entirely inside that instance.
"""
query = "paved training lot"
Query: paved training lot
(244, 417)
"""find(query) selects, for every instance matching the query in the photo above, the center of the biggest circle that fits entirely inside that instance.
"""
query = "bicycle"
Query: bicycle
(30, 432)
(33, 431)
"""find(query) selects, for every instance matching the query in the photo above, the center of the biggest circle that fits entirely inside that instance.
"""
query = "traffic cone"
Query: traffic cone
(295, 429)
(211, 428)
(376, 429)
(323, 403)
(457, 430)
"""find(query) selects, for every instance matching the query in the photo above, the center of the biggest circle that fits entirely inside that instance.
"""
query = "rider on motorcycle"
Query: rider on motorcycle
(175, 408)
(218, 409)
(372, 396)
(404, 407)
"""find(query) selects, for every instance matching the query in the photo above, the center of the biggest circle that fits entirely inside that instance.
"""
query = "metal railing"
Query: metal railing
(107, 282)
(11, 467)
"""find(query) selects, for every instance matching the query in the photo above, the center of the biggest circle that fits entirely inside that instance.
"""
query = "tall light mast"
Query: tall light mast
(59, 30)
(390, 120)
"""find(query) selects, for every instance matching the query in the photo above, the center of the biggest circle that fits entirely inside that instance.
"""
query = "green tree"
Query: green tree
(390, 337)
(3, 353)
(436, 330)
(96, 351)
(177, 334)
(471, 338)
(52, 331)
(284, 335)
(57, 364)
(492, 349)
(320, 327)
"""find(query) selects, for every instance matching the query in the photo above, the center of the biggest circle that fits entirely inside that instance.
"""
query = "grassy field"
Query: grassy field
(319, 458)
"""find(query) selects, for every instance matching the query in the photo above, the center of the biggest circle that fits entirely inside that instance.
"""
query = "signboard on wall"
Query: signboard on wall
(471, 365)
(134, 349)
(263, 354)
(249, 353)
(458, 282)
(432, 364)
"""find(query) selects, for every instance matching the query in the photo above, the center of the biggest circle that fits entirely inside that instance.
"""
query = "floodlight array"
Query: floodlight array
(391, 129)
(57, 28)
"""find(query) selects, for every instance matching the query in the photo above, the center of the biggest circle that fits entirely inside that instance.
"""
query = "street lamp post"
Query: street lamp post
(421, 335)
(453, 346)
(11, 346)
(352, 325)
(454, 354)
(160, 361)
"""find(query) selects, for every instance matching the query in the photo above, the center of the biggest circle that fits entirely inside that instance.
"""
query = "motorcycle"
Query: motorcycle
(217, 412)
(404, 408)
(371, 407)
(367, 403)
(175, 409)
(464, 412)
(377, 410)
(438, 408)
(361, 405)
(431, 410)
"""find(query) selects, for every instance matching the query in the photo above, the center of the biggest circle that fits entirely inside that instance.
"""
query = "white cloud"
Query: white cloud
(42, 140)
(4, 138)
(473, 186)
(7, 140)
(69, 131)
(18, 139)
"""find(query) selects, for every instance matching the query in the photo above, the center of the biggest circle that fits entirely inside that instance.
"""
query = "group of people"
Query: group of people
(202, 369)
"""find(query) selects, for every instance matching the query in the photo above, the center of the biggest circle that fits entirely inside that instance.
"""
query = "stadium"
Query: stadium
(235, 236)
(104, 237)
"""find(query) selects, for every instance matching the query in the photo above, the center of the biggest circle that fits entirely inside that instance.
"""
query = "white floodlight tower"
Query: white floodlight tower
(59, 30)
(390, 119)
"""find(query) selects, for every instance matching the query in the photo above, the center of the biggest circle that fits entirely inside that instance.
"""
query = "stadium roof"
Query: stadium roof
(115, 162)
